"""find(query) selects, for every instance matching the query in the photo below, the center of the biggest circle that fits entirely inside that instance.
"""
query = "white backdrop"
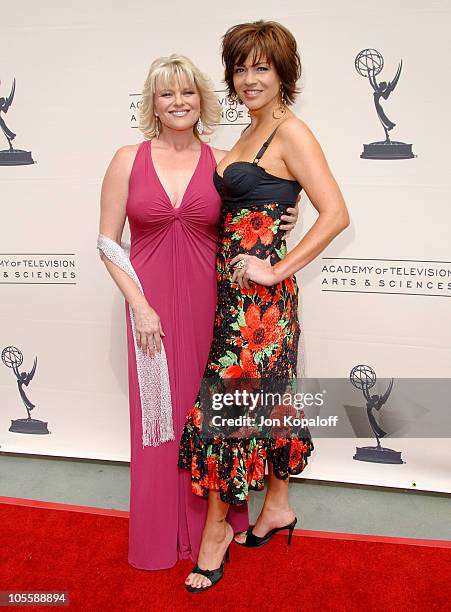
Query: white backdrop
(78, 67)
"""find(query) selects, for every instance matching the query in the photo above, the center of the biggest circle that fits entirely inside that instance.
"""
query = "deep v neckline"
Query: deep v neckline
(162, 187)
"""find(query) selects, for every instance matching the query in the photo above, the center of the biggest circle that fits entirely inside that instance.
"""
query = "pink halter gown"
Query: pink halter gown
(173, 252)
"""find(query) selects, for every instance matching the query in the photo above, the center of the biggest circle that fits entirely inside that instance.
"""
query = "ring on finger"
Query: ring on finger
(240, 264)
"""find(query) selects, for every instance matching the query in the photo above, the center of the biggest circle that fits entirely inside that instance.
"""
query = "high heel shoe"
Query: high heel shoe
(214, 576)
(253, 541)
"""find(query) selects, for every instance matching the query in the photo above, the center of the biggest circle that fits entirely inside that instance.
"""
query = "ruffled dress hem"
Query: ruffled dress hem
(235, 466)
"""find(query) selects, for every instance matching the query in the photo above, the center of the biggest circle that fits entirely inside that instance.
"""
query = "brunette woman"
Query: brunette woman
(256, 327)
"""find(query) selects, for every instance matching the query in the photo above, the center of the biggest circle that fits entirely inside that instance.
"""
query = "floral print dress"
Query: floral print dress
(256, 335)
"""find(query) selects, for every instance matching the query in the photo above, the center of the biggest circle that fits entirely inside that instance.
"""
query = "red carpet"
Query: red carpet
(86, 555)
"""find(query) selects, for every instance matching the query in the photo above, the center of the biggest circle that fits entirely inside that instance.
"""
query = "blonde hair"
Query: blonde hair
(164, 70)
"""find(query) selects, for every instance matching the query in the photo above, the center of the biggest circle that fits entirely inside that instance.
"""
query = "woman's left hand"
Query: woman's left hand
(254, 270)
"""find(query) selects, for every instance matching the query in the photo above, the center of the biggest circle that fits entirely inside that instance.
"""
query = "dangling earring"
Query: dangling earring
(157, 127)
(282, 93)
(280, 111)
(200, 126)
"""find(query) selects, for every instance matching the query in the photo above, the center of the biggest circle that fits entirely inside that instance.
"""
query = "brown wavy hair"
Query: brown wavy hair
(268, 41)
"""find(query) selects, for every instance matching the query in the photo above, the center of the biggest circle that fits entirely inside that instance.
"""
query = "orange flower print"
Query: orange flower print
(275, 357)
(255, 226)
(258, 471)
(247, 369)
(289, 285)
(197, 416)
(296, 451)
(260, 332)
(288, 310)
(280, 442)
(195, 468)
(196, 488)
(204, 481)
(263, 293)
(236, 465)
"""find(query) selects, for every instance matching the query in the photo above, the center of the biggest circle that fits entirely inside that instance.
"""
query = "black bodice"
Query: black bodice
(247, 182)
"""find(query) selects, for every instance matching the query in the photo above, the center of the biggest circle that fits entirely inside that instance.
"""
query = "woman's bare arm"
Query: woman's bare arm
(306, 161)
(113, 201)
(112, 220)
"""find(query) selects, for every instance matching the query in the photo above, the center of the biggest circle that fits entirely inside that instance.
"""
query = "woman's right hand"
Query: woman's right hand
(148, 329)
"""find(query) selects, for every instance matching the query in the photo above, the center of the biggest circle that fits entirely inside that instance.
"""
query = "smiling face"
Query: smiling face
(177, 104)
(257, 83)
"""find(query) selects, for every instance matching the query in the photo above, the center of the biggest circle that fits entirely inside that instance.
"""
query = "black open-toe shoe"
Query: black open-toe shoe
(253, 541)
(214, 576)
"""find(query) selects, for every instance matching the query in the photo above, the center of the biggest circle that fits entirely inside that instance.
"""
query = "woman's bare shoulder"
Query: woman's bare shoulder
(295, 130)
(124, 157)
(127, 151)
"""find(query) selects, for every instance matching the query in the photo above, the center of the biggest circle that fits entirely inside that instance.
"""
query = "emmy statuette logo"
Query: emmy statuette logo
(12, 358)
(369, 64)
(11, 156)
(363, 377)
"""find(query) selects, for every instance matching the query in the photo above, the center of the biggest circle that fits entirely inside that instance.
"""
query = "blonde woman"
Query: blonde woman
(164, 186)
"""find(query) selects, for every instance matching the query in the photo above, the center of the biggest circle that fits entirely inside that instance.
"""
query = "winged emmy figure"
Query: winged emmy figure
(383, 90)
(375, 402)
(24, 378)
(5, 103)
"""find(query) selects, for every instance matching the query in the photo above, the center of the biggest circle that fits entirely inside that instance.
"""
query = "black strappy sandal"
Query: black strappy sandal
(214, 576)
(253, 541)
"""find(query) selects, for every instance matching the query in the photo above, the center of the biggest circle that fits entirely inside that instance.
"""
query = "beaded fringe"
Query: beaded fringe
(153, 375)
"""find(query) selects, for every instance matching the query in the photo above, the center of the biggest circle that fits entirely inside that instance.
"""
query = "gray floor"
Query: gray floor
(319, 505)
